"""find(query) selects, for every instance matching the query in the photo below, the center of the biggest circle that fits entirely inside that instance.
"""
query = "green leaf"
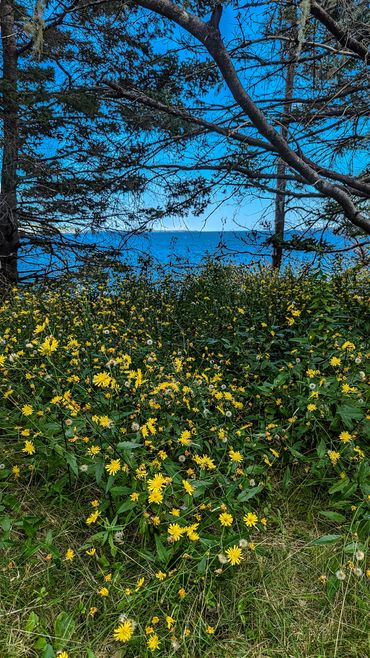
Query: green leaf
(127, 505)
(354, 546)
(326, 539)
(202, 565)
(128, 445)
(348, 413)
(333, 516)
(249, 493)
(332, 587)
(162, 552)
(6, 523)
(48, 652)
(64, 626)
(72, 462)
(32, 621)
(321, 449)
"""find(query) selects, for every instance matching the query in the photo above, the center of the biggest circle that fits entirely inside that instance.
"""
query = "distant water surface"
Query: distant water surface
(175, 248)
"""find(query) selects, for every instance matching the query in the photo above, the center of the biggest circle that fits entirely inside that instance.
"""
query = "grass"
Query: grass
(276, 604)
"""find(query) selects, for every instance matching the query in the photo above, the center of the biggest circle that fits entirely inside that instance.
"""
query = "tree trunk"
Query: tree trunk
(281, 184)
(9, 234)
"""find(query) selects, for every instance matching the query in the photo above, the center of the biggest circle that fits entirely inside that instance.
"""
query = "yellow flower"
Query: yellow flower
(27, 410)
(94, 450)
(311, 407)
(235, 455)
(49, 346)
(134, 497)
(63, 654)
(104, 421)
(170, 621)
(29, 448)
(182, 593)
(70, 555)
(225, 519)
(153, 642)
(103, 591)
(234, 555)
(333, 456)
(345, 437)
(157, 482)
(176, 531)
(347, 345)
(124, 632)
(155, 496)
(188, 487)
(113, 467)
(250, 519)
(211, 630)
(91, 551)
(161, 575)
(93, 517)
(335, 361)
(139, 583)
(185, 438)
(102, 380)
(16, 471)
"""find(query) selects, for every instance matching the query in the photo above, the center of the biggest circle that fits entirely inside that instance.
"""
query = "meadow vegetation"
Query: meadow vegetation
(185, 466)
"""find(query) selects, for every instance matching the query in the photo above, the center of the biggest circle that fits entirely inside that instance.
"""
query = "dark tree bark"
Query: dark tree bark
(281, 183)
(209, 35)
(342, 34)
(9, 234)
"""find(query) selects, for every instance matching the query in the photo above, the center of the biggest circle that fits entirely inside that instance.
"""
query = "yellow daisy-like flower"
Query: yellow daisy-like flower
(225, 519)
(70, 555)
(333, 456)
(161, 575)
(153, 642)
(155, 496)
(63, 654)
(124, 632)
(250, 519)
(103, 591)
(234, 555)
(345, 437)
(102, 380)
(93, 517)
(113, 467)
(176, 531)
(49, 346)
(27, 410)
(157, 482)
(29, 448)
(188, 487)
(235, 455)
(170, 621)
(335, 361)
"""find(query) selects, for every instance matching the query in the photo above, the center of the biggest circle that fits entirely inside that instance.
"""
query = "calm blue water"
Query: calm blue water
(179, 248)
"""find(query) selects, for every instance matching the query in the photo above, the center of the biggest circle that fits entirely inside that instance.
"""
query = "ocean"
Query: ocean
(179, 249)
